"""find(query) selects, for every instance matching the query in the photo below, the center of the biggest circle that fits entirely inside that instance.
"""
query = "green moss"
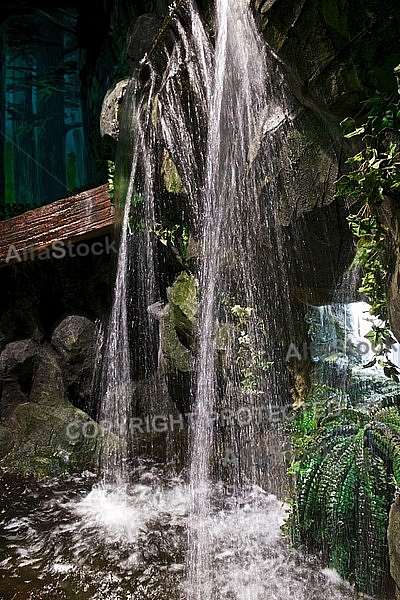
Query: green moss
(172, 179)
(177, 355)
(42, 445)
(183, 298)
(179, 322)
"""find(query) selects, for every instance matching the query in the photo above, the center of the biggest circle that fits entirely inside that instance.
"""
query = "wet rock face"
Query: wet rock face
(140, 37)
(305, 139)
(322, 247)
(336, 53)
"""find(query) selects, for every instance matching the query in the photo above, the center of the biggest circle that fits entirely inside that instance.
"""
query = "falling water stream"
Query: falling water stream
(241, 90)
(142, 530)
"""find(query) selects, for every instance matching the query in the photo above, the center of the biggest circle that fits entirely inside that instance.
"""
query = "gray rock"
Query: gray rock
(74, 342)
(47, 382)
(17, 365)
(41, 431)
(321, 67)
(49, 438)
(110, 110)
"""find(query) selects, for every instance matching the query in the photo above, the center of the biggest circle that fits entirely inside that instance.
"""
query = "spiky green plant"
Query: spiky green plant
(347, 476)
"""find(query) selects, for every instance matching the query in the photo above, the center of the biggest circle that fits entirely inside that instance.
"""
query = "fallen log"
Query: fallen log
(76, 218)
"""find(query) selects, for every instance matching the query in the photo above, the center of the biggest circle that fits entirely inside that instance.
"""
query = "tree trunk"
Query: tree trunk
(50, 103)
(20, 101)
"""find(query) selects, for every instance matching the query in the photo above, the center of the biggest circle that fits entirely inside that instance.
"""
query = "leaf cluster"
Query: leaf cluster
(251, 360)
(374, 173)
(175, 236)
(348, 465)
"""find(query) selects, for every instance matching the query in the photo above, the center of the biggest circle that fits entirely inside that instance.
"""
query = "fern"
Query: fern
(346, 479)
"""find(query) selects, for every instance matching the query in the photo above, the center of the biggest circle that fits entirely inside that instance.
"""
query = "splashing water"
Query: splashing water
(59, 540)
(243, 94)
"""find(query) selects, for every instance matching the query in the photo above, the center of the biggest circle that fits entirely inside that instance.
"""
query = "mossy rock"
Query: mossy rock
(176, 354)
(179, 323)
(49, 439)
(182, 296)
(172, 179)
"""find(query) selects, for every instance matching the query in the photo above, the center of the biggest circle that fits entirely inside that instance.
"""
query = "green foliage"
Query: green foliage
(347, 464)
(174, 236)
(110, 177)
(251, 360)
(346, 459)
(375, 172)
(320, 401)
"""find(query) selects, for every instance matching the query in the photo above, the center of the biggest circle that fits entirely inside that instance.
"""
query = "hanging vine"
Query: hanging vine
(374, 174)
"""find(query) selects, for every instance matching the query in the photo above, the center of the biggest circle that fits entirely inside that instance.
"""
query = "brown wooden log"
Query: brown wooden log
(80, 217)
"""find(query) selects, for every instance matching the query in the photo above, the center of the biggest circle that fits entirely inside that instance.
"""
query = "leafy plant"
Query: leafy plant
(375, 173)
(303, 427)
(251, 360)
(175, 236)
(110, 177)
(348, 466)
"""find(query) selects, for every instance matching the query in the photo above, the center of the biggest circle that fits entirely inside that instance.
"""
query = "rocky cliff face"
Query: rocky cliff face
(336, 53)
(332, 56)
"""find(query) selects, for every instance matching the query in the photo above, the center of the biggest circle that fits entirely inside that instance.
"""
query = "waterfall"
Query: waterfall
(213, 103)
(220, 132)
(219, 111)
(244, 103)
(116, 382)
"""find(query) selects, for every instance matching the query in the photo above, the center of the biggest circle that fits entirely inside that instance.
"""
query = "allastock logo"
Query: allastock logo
(61, 249)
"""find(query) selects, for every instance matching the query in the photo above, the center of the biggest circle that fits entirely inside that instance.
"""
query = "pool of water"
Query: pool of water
(75, 537)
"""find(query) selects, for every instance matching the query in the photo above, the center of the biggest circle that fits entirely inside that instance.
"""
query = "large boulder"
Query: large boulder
(49, 438)
(335, 53)
(41, 432)
(75, 344)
